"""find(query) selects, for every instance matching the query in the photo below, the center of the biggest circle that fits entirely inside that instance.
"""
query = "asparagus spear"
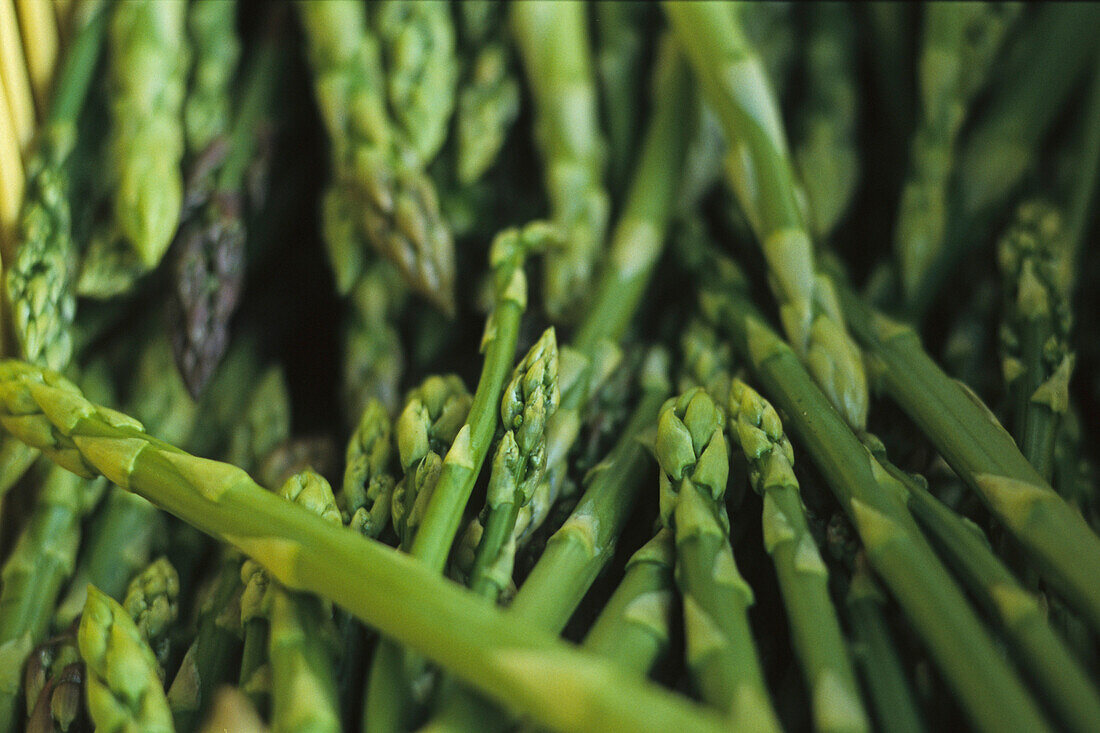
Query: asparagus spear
(55, 701)
(995, 698)
(367, 490)
(123, 689)
(301, 655)
(527, 669)
(39, 283)
(1064, 685)
(960, 41)
(1035, 259)
(373, 353)
(691, 448)
(803, 579)
(211, 30)
(826, 153)
(733, 81)
(40, 42)
(15, 79)
(395, 204)
(552, 38)
(418, 46)
(232, 711)
(1056, 538)
(576, 553)
(152, 600)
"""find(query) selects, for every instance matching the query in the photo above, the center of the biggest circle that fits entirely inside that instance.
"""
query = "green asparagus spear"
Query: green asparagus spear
(620, 57)
(1064, 549)
(527, 669)
(373, 353)
(367, 490)
(1036, 263)
(212, 33)
(992, 699)
(390, 199)
(152, 602)
(418, 46)
(803, 579)
(691, 448)
(733, 81)
(552, 39)
(124, 692)
(233, 712)
(40, 280)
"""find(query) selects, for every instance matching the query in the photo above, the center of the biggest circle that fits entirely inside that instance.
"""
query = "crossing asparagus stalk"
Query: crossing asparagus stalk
(397, 212)
(968, 436)
(152, 600)
(874, 501)
(1063, 683)
(397, 594)
(733, 81)
(958, 48)
(803, 578)
(123, 688)
(721, 655)
(552, 39)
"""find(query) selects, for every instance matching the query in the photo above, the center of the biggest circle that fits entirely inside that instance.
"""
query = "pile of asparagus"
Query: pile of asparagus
(472, 365)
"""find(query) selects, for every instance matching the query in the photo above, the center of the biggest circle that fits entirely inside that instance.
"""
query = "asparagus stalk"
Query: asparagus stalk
(12, 184)
(995, 698)
(691, 448)
(826, 154)
(40, 43)
(232, 711)
(1063, 684)
(373, 353)
(576, 553)
(529, 670)
(396, 206)
(211, 30)
(888, 690)
(733, 81)
(152, 600)
(40, 281)
(552, 39)
(16, 84)
(123, 689)
(803, 579)
(964, 431)
(960, 41)
(418, 46)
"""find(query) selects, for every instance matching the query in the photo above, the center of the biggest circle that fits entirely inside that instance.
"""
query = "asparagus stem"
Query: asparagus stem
(407, 601)
(982, 453)
(16, 84)
(994, 699)
(733, 81)
(552, 39)
(40, 42)
(211, 28)
(803, 579)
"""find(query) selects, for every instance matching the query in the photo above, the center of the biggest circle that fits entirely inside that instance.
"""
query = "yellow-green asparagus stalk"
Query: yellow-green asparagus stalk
(691, 448)
(803, 578)
(733, 81)
(123, 689)
(40, 42)
(552, 38)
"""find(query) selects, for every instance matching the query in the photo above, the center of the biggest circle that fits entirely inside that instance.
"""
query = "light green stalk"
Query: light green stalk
(887, 688)
(367, 491)
(826, 153)
(733, 81)
(265, 422)
(1065, 551)
(620, 31)
(691, 448)
(576, 553)
(233, 712)
(123, 690)
(552, 38)
(803, 578)
(531, 671)
(707, 361)
(633, 629)
(40, 280)
(379, 193)
(1044, 657)
(148, 78)
(212, 31)
(300, 646)
(373, 359)
(1036, 262)
(530, 399)
(959, 44)
(152, 602)
(418, 45)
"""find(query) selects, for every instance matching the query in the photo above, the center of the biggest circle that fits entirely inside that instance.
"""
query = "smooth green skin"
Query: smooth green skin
(992, 696)
(303, 683)
(632, 630)
(527, 669)
(211, 29)
(552, 39)
(887, 687)
(816, 635)
(33, 576)
(968, 436)
(1045, 659)
(620, 31)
